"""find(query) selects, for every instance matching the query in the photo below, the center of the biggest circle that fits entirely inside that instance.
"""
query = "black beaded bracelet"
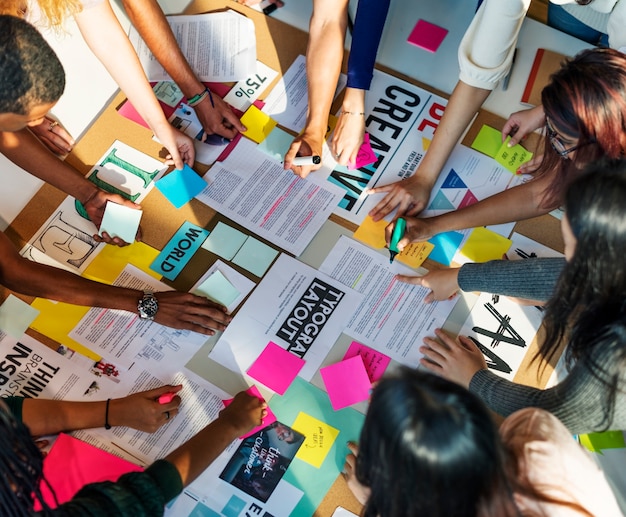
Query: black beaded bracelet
(106, 416)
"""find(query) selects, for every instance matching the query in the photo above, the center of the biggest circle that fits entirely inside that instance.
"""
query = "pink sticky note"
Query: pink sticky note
(427, 35)
(128, 110)
(346, 382)
(276, 368)
(365, 156)
(269, 419)
(72, 464)
(375, 362)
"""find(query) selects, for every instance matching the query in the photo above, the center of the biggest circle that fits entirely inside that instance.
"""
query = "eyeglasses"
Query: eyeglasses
(556, 142)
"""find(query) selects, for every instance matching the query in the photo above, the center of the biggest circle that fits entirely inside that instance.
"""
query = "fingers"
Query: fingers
(292, 152)
(415, 280)
(354, 448)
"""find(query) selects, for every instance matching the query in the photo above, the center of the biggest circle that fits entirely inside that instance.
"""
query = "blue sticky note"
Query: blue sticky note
(181, 185)
(177, 252)
(16, 316)
(446, 245)
(225, 241)
(276, 144)
(255, 256)
(120, 221)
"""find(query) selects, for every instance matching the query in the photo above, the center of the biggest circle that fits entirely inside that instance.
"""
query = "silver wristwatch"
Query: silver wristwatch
(148, 306)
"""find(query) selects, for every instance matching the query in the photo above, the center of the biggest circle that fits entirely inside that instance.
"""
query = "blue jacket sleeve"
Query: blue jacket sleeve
(368, 29)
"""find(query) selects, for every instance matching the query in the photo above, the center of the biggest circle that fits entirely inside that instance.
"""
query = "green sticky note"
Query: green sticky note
(225, 241)
(276, 144)
(16, 316)
(488, 141)
(255, 256)
(595, 442)
(121, 221)
(512, 157)
(483, 245)
(219, 289)
(259, 124)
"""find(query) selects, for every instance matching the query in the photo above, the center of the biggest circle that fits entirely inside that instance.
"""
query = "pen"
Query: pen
(396, 237)
(166, 398)
(215, 140)
(269, 9)
(507, 77)
(306, 160)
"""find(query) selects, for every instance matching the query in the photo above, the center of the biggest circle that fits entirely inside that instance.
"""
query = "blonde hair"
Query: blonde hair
(53, 12)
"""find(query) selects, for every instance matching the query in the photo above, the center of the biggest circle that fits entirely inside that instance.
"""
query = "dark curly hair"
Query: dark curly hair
(30, 72)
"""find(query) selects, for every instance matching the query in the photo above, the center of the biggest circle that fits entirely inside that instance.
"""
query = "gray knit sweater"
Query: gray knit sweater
(578, 400)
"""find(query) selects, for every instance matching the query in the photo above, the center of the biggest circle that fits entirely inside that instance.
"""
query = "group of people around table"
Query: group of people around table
(429, 445)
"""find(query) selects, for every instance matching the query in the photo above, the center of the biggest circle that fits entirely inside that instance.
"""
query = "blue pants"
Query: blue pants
(560, 19)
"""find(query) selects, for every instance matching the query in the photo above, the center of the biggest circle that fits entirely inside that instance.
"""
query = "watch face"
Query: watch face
(148, 306)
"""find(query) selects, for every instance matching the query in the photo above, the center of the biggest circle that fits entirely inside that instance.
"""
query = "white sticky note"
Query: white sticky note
(16, 316)
(121, 221)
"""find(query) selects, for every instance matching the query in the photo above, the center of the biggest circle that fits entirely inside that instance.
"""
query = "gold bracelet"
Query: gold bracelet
(352, 113)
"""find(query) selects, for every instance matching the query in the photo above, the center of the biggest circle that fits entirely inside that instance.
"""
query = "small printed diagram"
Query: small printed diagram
(165, 338)
(453, 194)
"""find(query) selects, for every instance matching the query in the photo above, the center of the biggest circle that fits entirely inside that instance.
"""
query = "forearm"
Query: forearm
(324, 56)
(464, 103)
(107, 40)
(152, 25)
(33, 279)
(195, 455)
(514, 204)
(45, 417)
(23, 149)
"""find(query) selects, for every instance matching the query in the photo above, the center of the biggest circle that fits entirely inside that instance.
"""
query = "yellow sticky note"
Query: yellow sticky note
(320, 438)
(110, 262)
(512, 157)
(258, 123)
(488, 141)
(483, 245)
(415, 253)
(372, 233)
(56, 320)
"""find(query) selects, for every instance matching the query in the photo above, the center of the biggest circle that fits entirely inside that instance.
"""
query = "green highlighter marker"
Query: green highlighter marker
(396, 237)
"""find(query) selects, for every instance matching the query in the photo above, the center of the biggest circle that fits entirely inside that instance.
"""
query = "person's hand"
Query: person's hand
(95, 206)
(218, 120)
(53, 135)
(142, 410)
(190, 312)
(244, 413)
(417, 230)
(443, 283)
(347, 138)
(179, 145)
(307, 144)
(360, 492)
(522, 123)
(531, 165)
(409, 196)
(455, 359)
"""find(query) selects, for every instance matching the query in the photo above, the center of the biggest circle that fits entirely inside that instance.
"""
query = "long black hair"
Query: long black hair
(429, 447)
(21, 464)
(589, 304)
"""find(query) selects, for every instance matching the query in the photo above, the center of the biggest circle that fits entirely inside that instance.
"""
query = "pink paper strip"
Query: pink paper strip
(276, 368)
(346, 382)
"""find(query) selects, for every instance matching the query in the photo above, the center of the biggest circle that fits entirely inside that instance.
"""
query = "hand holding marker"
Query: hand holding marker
(398, 232)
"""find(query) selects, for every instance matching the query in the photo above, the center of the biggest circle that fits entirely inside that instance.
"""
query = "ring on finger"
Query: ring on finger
(167, 415)
(52, 125)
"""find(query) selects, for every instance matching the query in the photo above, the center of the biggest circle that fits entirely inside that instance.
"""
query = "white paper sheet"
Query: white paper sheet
(124, 338)
(253, 190)
(218, 46)
(393, 317)
(267, 313)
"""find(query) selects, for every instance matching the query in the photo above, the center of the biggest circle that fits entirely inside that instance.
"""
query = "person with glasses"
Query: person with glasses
(582, 112)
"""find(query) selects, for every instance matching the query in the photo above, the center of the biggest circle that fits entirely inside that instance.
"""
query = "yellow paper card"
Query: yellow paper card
(514, 157)
(371, 233)
(110, 262)
(259, 124)
(483, 245)
(320, 438)
(415, 253)
(56, 320)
